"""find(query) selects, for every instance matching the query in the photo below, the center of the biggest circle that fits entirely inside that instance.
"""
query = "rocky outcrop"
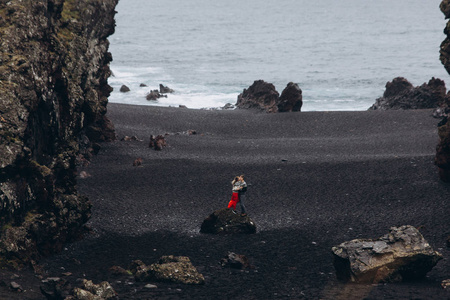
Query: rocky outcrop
(54, 67)
(402, 254)
(165, 89)
(177, 269)
(154, 95)
(401, 94)
(263, 96)
(124, 89)
(442, 158)
(291, 98)
(90, 290)
(443, 149)
(224, 221)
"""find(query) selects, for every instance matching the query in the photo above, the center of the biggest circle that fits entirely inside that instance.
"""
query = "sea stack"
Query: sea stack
(53, 96)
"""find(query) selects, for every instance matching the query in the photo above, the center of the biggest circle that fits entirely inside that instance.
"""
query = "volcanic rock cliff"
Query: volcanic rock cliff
(54, 66)
(443, 149)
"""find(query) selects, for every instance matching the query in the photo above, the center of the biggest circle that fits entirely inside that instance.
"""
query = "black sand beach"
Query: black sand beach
(316, 179)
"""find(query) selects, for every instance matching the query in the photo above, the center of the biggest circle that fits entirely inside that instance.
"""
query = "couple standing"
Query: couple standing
(238, 196)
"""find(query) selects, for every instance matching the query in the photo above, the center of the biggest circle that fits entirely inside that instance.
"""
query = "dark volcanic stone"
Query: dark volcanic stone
(165, 89)
(124, 89)
(154, 95)
(443, 149)
(235, 261)
(157, 143)
(442, 158)
(260, 95)
(400, 94)
(226, 221)
(290, 99)
(54, 69)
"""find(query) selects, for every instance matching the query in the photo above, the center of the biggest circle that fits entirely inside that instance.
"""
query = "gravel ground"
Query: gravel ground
(316, 179)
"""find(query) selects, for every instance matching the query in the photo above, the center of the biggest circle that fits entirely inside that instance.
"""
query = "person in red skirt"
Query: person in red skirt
(235, 195)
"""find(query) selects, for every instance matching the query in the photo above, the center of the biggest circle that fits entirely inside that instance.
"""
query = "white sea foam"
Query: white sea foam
(341, 53)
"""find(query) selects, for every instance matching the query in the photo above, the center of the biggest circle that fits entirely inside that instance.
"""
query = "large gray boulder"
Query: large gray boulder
(225, 221)
(402, 254)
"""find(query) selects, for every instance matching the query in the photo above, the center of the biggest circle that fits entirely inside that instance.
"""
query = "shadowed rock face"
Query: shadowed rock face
(54, 66)
(224, 221)
(263, 96)
(402, 254)
(401, 94)
(177, 269)
(443, 148)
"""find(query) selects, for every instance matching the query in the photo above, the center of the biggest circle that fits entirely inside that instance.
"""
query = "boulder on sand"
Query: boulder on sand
(402, 254)
(400, 94)
(260, 95)
(263, 95)
(157, 142)
(177, 269)
(290, 99)
(226, 221)
(235, 261)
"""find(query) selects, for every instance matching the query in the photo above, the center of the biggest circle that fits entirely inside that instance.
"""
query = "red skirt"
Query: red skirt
(234, 201)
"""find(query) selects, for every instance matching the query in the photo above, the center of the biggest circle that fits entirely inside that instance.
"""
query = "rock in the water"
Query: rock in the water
(165, 89)
(157, 143)
(143, 85)
(290, 99)
(124, 89)
(154, 95)
(402, 254)
(177, 269)
(228, 106)
(235, 261)
(400, 94)
(260, 95)
(226, 221)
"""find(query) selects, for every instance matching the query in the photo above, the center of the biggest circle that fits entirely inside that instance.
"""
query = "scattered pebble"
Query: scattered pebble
(15, 286)
(150, 286)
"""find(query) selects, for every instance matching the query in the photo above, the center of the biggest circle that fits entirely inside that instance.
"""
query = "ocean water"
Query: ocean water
(341, 53)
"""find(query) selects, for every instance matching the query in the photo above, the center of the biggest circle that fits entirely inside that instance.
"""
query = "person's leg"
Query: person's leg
(241, 203)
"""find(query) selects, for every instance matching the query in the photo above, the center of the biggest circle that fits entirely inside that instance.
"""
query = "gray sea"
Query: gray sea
(341, 53)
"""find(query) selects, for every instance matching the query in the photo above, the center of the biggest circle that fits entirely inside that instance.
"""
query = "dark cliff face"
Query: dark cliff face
(54, 66)
(443, 149)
